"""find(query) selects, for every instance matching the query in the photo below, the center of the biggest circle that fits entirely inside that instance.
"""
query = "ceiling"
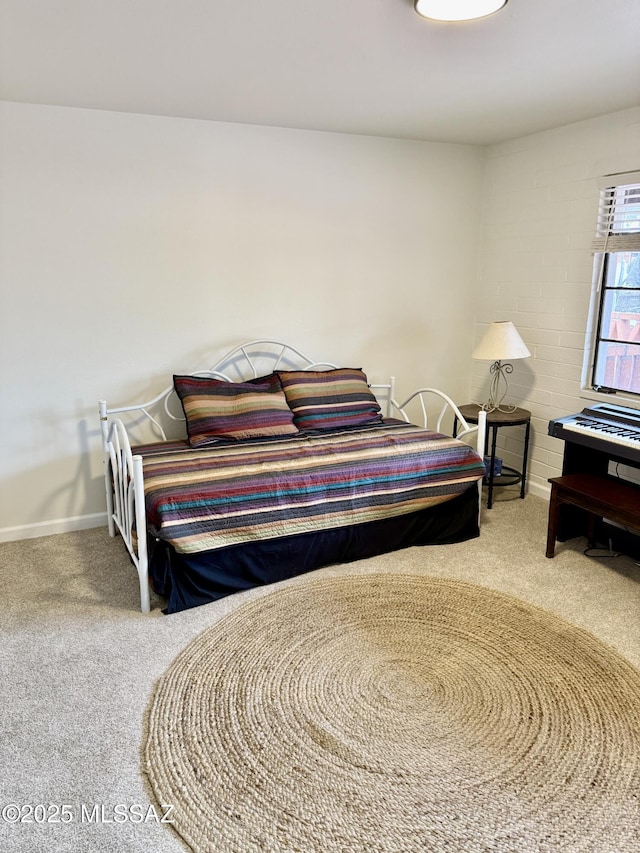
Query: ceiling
(352, 66)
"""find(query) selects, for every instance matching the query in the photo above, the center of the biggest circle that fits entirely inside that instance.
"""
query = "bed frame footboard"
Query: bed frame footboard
(124, 486)
(447, 408)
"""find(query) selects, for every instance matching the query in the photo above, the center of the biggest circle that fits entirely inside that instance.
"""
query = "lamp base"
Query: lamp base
(489, 407)
(498, 389)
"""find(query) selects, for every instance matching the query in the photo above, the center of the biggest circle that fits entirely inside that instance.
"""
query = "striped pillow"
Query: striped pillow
(328, 399)
(217, 409)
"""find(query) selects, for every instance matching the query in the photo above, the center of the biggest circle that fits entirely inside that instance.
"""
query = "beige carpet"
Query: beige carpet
(397, 713)
(79, 661)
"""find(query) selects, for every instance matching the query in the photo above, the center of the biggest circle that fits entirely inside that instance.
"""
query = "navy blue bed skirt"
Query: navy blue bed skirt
(188, 580)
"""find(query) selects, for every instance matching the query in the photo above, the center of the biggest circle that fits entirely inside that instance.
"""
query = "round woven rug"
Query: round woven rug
(397, 713)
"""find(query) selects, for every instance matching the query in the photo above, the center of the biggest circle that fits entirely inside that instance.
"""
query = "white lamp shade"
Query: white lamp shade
(501, 342)
(457, 10)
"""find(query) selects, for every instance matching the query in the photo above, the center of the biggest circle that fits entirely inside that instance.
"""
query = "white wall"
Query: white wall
(135, 246)
(539, 214)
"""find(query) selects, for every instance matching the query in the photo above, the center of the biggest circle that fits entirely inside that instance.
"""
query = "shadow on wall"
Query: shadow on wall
(82, 493)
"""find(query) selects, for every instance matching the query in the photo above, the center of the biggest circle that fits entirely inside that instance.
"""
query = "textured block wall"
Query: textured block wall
(539, 213)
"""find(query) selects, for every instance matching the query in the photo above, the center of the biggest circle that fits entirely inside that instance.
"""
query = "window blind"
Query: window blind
(618, 224)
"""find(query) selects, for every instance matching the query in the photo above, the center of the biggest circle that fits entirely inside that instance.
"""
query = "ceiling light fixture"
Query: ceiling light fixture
(457, 10)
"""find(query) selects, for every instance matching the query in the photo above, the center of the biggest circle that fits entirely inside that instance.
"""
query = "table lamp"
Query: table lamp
(500, 344)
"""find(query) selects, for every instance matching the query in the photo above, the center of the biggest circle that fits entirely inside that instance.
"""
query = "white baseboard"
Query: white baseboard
(539, 489)
(49, 528)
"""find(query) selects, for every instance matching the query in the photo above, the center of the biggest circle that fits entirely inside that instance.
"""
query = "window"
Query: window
(616, 301)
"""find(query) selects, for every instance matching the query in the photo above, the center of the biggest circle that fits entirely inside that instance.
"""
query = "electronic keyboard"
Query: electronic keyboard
(602, 426)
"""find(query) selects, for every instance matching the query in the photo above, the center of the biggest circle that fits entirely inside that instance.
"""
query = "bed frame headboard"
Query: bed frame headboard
(247, 361)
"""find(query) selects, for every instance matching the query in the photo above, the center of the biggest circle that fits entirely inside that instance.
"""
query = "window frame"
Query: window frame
(607, 242)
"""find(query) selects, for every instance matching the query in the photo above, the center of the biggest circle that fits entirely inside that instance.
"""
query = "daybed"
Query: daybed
(287, 465)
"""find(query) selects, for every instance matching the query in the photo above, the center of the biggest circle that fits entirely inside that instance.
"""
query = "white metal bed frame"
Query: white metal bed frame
(124, 480)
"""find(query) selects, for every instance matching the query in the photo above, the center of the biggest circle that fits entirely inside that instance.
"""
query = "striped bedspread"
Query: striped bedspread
(209, 498)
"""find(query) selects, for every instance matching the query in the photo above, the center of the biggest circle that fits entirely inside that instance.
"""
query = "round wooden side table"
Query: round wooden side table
(495, 421)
